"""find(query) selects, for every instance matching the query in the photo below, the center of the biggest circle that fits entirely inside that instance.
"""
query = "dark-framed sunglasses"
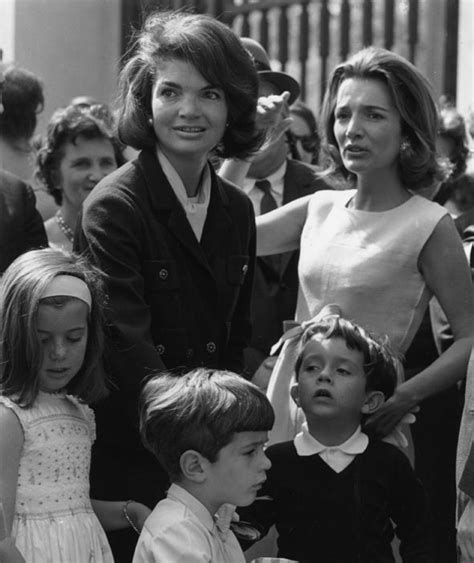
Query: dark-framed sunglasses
(308, 142)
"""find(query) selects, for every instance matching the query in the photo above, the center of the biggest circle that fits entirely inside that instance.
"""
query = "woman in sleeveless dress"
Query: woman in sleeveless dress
(379, 250)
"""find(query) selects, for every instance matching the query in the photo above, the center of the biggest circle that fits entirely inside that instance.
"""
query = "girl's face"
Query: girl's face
(84, 164)
(62, 333)
(189, 114)
(239, 471)
(367, 126)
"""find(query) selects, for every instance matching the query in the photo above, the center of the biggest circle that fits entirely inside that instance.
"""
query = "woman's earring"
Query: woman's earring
(150, 121)
(405, 146)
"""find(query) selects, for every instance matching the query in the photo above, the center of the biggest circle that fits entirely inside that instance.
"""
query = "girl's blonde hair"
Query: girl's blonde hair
(22, 286)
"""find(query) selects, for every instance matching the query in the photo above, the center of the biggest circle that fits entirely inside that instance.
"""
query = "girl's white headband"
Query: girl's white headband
(70, 286)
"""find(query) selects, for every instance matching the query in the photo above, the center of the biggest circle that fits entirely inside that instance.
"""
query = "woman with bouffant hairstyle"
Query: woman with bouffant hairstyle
(411, 95)
(79, 148)
(176, 242)
(216, 54)
(379, 250)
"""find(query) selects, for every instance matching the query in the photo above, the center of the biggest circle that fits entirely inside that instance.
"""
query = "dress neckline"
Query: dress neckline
(53, 395)
(353, 210)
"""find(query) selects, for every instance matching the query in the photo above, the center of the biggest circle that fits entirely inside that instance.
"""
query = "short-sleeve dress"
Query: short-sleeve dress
(54, 520)
(366, 263)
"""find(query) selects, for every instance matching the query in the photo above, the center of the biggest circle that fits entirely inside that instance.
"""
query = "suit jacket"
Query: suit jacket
(21, 226)
(276, 282)
(174, 302)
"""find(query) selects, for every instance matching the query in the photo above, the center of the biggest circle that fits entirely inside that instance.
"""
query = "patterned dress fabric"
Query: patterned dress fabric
(54, 521)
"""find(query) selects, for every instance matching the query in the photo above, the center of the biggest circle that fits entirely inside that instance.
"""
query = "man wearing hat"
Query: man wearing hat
(273, 180)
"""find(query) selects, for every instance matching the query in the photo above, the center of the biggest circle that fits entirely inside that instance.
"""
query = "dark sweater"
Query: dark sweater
(327, 517)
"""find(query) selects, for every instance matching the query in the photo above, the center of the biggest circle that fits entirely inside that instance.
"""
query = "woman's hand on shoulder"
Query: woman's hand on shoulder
(390, 414)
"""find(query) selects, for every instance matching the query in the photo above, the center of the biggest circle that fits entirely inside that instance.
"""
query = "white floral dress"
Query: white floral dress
(54, 521)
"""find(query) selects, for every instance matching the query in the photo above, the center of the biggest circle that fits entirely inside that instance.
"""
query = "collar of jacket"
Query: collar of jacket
(165, 198)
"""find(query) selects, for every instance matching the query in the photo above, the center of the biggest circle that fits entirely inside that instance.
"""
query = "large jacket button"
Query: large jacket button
(163, 273)
(160, 349)
(211, 347)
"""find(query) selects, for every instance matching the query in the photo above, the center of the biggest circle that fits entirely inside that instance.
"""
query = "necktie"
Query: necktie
(268, 202)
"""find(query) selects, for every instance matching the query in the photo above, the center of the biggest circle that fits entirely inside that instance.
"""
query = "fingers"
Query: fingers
(271, 109)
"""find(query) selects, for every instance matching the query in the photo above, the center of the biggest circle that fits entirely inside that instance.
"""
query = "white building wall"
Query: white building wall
(72, 45)
(7, 28)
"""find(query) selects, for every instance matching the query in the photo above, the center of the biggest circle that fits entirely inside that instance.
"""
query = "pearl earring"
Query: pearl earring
(405, 146)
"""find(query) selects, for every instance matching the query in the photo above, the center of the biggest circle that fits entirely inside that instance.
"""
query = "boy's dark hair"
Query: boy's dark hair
(380, 363)
(200, 410)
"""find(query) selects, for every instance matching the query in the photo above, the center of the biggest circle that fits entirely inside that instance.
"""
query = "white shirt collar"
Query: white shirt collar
(276, 180)
(194, 207)
(204, 191)
(219, 523)
(337, 457)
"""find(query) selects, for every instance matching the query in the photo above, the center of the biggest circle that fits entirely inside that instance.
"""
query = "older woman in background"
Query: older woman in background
(78, 150)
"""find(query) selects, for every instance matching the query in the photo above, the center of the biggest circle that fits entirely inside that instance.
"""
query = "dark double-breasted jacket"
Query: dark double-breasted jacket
(174, 302)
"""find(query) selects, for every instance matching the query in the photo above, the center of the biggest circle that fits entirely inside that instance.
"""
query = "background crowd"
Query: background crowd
(209, 216)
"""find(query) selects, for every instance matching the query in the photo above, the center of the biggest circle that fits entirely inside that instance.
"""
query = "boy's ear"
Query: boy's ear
(373, 401)
(192, 466)
(294, 394)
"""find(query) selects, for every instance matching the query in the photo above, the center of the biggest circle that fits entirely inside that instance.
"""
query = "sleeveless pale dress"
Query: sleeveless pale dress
(54, 521)
(367, 264)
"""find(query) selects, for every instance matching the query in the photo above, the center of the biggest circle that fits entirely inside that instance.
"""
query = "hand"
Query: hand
(262, 376)
(391, 413)
(271, 110)
(138, 513)
(9, 552)
(272, 118)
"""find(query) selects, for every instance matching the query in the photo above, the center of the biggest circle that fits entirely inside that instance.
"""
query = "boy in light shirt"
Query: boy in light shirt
(208, 429)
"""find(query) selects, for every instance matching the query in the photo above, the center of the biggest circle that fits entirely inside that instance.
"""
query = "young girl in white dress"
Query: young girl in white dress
(51, 347)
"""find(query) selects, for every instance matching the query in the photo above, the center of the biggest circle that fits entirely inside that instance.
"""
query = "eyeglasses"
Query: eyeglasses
(308, 142)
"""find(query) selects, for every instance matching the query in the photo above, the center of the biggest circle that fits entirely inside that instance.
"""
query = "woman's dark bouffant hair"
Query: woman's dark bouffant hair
(23, 100)
(218, 55)
(22, 286)
(412, 96)
(66, 125)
